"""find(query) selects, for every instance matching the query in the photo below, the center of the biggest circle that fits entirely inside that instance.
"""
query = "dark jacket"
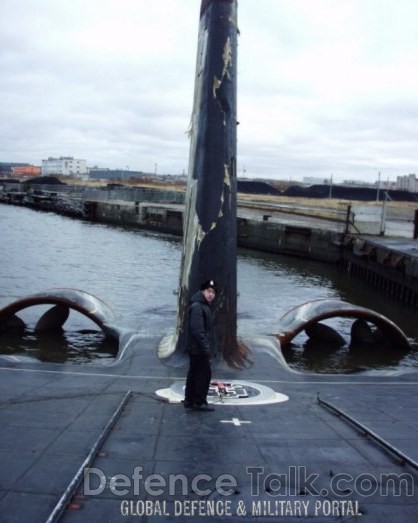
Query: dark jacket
(200, 326)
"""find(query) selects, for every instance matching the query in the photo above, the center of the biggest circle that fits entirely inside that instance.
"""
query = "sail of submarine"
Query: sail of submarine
(210, 232)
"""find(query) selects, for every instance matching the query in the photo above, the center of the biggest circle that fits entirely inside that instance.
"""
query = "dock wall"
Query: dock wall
(390, 268)
(268, 236)
(315, 244)
(144, 215)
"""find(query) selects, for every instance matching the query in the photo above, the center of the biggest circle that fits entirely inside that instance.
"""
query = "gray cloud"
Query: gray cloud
(324, 87)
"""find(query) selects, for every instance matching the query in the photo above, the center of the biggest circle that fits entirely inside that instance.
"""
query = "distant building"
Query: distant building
(407, 183)
(64, 166)
(6, 168)
(26, 170)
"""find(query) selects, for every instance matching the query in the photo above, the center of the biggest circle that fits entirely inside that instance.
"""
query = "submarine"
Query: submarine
(115, 444)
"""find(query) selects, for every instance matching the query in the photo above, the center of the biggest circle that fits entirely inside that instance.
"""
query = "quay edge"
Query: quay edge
(257, 233)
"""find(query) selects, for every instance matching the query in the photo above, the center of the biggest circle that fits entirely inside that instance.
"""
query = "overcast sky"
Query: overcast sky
(324, 86)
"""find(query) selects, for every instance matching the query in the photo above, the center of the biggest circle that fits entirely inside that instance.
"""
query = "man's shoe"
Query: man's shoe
(187, 404)
(203, 407)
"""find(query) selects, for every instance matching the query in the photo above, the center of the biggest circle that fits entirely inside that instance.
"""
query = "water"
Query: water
(136, 272)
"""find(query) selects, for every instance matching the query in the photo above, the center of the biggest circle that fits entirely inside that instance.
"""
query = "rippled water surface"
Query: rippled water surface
(136, 272)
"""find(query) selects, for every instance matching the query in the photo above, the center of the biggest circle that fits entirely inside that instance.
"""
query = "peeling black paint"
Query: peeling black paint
(210, 241)
(206, 3)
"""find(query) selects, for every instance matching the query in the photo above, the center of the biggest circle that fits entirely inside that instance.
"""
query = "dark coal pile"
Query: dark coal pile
(250, 187)
(44, 180)
(364, 194)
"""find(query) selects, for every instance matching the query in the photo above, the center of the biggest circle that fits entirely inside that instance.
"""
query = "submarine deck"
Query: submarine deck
(291, 459)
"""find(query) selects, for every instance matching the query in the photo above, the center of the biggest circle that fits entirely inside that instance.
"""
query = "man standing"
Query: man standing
(200, 339)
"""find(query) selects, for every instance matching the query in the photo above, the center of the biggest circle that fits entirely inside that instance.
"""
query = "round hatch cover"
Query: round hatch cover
(228, 392)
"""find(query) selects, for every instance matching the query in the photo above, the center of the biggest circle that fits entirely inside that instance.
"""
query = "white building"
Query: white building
(64, 166)
(407, 183)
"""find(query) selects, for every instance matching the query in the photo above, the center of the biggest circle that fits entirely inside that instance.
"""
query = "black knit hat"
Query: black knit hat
(208, 284)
